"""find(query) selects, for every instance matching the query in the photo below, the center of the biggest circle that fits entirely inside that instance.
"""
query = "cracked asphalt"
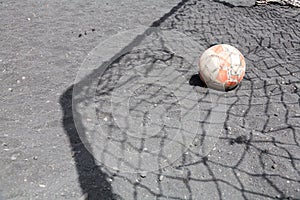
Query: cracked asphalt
(256, 154)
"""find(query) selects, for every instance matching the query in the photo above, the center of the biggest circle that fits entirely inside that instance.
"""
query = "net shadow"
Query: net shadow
(257, 154)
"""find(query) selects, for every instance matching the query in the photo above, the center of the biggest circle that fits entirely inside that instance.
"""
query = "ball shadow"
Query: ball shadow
(195, 80)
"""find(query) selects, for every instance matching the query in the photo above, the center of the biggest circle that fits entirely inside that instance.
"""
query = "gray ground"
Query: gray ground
(43, 46)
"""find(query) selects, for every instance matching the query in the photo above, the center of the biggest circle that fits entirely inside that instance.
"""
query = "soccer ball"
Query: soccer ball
(222, 67)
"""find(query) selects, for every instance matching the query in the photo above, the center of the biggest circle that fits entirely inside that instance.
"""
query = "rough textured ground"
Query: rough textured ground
(43, 46)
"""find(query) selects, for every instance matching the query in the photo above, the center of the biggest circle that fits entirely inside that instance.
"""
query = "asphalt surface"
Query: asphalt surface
(255, 154)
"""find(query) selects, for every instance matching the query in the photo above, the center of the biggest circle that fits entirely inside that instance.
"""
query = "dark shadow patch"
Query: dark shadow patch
(92, 180)
(212, 45)
(196, 81)
(232, 88)
(239, 140)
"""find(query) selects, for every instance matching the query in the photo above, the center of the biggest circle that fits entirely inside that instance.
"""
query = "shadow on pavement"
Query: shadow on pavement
(92, 180)
(196, 81)
(258, 155)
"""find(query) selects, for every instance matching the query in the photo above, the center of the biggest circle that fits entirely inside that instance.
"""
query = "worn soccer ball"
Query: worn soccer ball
(222, 67)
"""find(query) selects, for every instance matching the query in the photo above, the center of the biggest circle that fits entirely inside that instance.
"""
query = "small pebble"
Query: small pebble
(143, 174)
(13, 157)
(116, 169)
(18, 81)
(35, 157)
(42, 186)
(197, 142)
(161, 177)
(105, 119)
(28, 19)
(10, 89)
(23, 77)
